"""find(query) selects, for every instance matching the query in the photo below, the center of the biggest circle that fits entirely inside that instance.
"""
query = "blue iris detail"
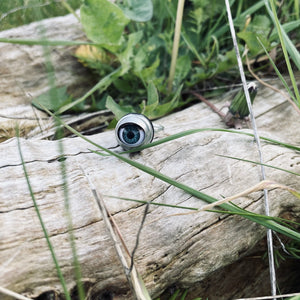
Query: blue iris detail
(131, 134)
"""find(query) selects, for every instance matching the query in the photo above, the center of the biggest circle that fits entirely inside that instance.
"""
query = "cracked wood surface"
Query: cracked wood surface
(179, 251)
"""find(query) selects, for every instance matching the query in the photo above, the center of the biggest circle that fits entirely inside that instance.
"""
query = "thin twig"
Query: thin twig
(180, 7)
(209, 104)
(12, 294)
(133, 278)
(138, 236)
(257, 139)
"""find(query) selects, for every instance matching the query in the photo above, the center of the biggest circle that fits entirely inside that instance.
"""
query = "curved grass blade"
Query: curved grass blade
(101, 85)
(266, 223)
(44, 42)
(193, 131)
(58, 270)
(258, 163)
(152, 203)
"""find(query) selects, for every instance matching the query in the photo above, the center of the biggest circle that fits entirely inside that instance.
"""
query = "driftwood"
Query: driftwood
(209, 252)
(178, 251)
(23, 74)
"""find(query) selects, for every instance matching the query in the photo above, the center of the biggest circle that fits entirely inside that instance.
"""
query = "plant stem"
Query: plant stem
(53, 255)
(259, 148)
(179, 15)
(286, 56)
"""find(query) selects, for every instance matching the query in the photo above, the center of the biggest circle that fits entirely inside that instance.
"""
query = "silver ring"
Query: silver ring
(134, 130)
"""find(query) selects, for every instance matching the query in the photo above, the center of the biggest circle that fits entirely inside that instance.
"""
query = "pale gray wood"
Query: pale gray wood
(173, 250)
(23, 74)
(23, 70)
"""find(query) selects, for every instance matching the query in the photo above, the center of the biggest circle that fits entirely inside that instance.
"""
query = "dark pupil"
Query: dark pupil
(131, 134)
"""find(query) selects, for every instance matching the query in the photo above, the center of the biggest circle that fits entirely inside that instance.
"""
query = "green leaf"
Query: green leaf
(166, 108)
(251, 40)
(287, 43)
(183, 67)
(152, 94)
(118, 111)
(52, 99)
(149, 73)
(287, 28)
(226, 61)
(138, 10)
(260, 24)
(125, 85)
(103, 21)
(126, 57)
(152, 100)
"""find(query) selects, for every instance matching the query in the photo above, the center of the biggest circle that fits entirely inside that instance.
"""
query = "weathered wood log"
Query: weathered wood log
(23, 74)
(181, 251)
(23, 69)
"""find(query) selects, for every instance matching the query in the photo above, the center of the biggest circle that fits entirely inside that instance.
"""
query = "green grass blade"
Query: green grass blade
(247, 213)
(267, 223)
(77, 268)
(278, 72)
(287, 47)
(44, 42)
(194, 131)
(58, 270)
(53, 97)
(258, 163)
(152, 203)
(101, 85)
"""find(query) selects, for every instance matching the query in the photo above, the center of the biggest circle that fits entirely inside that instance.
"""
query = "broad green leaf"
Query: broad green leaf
(138, 10)
(124, 85)
(147, 54)
(260, 24)
(251, 40)
(183, 67)
(152, 100)
(152, 94)
(126, 57)
(226, 61)
(103, 21)
(118, 111)
(166, 108)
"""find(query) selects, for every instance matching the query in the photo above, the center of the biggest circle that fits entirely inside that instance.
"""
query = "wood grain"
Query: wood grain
(174, 250)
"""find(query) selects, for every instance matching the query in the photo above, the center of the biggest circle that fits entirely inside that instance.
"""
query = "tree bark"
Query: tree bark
(174, 251)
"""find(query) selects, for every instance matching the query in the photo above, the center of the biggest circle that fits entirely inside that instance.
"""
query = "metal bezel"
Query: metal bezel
(143, 122)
